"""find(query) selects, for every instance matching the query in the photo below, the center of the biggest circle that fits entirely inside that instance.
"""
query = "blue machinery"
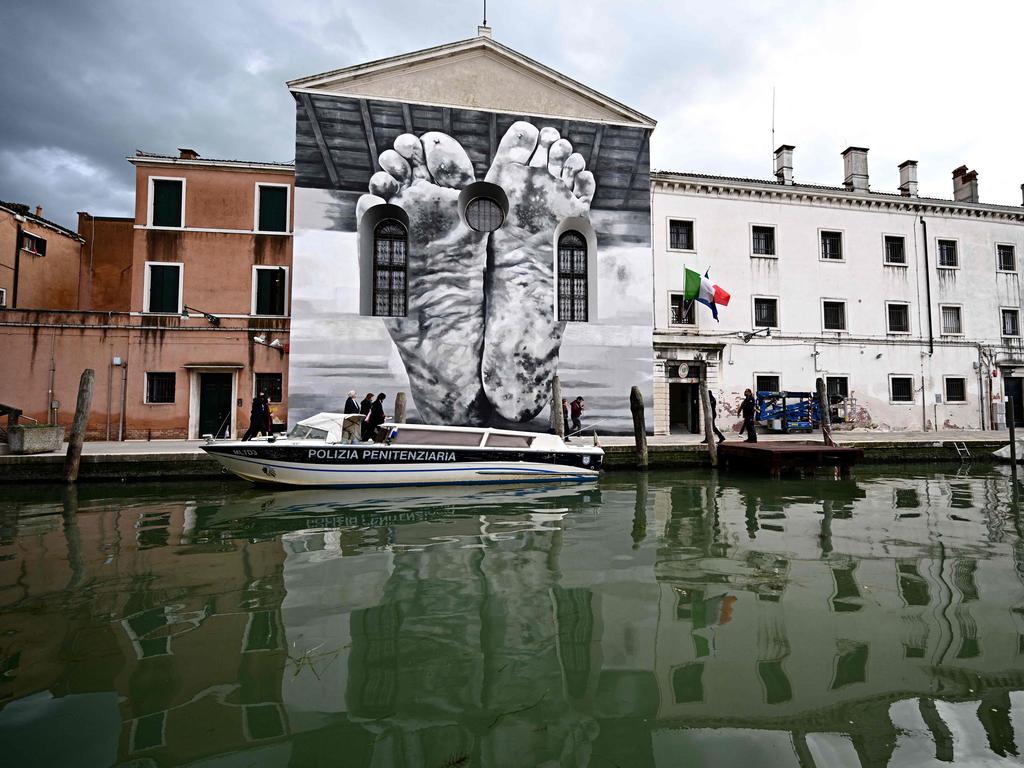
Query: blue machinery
(788, 411)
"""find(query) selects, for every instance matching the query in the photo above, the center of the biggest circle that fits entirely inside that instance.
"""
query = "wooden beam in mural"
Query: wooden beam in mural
(371, 141)
(633, 174)
(492, 138)
(407, 117)
(318, 134)
(446, 120)
(595, 150)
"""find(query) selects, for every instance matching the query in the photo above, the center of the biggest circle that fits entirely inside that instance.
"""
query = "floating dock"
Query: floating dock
(779, 457)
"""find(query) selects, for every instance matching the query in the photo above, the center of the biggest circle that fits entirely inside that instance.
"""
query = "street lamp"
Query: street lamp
(211, 319)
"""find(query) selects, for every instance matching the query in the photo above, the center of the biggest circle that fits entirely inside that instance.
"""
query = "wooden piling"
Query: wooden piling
(1013, 435)
(709, 418)
(557, 417)
(636, 405)
(74, 454)
(400, 408)
(823, 412)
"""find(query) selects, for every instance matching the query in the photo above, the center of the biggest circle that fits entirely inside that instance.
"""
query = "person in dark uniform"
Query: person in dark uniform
(714, 415)
(377, 415)
(259, 417)
(351, 406)
(747, 409)
(364, 408)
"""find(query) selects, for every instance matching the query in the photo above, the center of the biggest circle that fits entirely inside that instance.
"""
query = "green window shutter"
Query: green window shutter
(273, 209)
(270, 291)
(163, 288)
(167, 202)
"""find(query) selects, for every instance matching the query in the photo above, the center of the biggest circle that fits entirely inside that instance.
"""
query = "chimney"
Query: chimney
(784, 164)
(39, 211)
(855, 168)
(965, 185)
(908, 178)
(187, 154)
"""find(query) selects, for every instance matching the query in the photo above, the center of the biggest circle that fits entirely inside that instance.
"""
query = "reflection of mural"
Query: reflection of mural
(473, 311)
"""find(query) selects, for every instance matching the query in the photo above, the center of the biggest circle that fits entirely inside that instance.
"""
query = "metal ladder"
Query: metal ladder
(961, 450)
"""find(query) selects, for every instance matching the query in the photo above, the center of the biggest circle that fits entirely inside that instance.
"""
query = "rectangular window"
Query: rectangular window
(164, 294)
(160, 387)
(681, 311)
(952, 324)
(901, 389)
(3, 297)
(837, 386)
(168, 202)
(680, 235)
(898, 317)
(956, 389)
(33, 244)
(763, 241)
(895, 251)
(766, 313)
(767, 382)
(832, 245)
(269, 383)
(833, 315)
(1011, 322)
(271, 208)
(948, 257)
(1006, 257)
(271, 290)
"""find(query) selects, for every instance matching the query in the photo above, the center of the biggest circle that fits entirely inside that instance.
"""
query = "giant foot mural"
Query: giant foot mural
(480, 335)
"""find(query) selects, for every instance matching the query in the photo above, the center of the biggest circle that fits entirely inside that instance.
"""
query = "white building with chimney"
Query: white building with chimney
(908, 307)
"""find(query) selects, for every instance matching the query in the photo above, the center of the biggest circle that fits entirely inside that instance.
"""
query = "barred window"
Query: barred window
(766, 313)
(682, 311)
(947, 254)
(270, 385)
(834, 315)
(572, 277)
(956, 389)
(764, 241)
(832, 246)
(484, 215)
(1011, 322)
(1007, 258)
(952, 324)
(901, 389)
(390, 265)
(899, 318)
(160, 387)
(766, 383)
(837, 386)
(895, 250)
(680, 235)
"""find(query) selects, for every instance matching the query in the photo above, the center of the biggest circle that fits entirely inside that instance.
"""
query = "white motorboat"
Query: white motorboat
(315, 453)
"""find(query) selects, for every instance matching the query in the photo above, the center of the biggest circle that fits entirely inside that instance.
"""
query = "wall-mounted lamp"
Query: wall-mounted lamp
(751, 334)
(211, 319)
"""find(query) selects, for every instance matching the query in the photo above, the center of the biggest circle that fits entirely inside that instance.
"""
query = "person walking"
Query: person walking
(747, 409)
(364, 408)
(714, 416)
(565, 419)
(351, 406)
(376, 417)
(576, 410)
(259, 417)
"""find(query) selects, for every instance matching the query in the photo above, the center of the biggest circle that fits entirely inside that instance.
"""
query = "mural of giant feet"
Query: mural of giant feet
(441, 338)
(546, 183)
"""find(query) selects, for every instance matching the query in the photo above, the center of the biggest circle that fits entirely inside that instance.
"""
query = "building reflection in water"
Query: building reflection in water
(868, 622)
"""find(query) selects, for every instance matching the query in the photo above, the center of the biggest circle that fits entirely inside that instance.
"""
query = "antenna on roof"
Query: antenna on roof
(773, 119)
(485, 13)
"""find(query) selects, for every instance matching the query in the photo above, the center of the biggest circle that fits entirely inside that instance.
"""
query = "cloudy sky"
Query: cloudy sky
(86, 83)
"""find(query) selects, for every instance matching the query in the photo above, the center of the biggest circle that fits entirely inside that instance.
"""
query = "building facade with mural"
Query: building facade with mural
(469, 224)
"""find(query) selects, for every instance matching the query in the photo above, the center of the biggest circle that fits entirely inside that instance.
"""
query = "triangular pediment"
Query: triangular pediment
(477, 73)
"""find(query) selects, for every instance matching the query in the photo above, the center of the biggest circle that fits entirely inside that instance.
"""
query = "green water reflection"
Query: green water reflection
(669, 619)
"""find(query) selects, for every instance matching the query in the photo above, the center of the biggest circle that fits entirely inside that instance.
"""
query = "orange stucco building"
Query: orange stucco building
(182, 311)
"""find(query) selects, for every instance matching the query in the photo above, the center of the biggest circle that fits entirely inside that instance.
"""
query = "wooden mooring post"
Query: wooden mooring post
(636, 405)
(557, 416)
(709, 418)
(823, 413)
(1013, 437)
(74, 454)
(400, 408)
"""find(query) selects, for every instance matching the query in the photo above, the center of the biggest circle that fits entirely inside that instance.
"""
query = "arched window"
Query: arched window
(572, 277)
(390, 264)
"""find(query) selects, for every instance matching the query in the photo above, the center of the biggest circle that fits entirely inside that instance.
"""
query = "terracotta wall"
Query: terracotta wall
(106, 270)
(8, 243)
(44, 282)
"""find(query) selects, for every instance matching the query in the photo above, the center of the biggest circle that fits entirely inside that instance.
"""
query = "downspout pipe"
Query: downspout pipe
(17, 266)
(928, 287)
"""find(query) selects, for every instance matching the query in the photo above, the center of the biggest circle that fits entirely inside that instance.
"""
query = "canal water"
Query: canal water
(669, 619)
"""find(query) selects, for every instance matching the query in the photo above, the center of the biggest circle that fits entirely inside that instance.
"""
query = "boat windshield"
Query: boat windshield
(303, 432)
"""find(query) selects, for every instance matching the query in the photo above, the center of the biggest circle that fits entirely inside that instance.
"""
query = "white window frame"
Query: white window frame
(287, 208)
(1001, 327)
(945, 390)
(775, 239)
(753, 383)
(954, 240)
(287, 289)
(888, 329)
(913, 389)
(998, 268)
(145, 388)
(668, 234)
(753, 312)
(960, 309)
(672, 294)
(3, 298)
(885, 251)
(181, 286)
(150, 200)
(842, 244)
(846, 316)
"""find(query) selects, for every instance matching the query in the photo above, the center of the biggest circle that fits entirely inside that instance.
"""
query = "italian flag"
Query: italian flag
(703, 290)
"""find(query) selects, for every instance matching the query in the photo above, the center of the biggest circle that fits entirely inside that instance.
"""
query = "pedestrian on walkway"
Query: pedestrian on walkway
(259, 417)
(576, 409)
(714, 415)
(747, 409)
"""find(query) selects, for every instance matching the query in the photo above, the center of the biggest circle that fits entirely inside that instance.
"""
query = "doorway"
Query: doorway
(215, 404)
(1012, 387)
(684, 408)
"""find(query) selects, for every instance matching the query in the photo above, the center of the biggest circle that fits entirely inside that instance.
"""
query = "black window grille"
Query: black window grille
(163, 287)
(899, 318)
(1011, 322)
(832, 246)
(682, 311)
(837, 386)
(160, 387)
(680, 234)
(766, 384)
(951, 321)
(895, 251)
(1007, 258)
(901, 389)
(956, 390)
(273, 213)
(270, 385)
(834, 315)
(167, 202)
(764, 241)
(270, 291)
(947, 254)
(390, 269)
(766, 313)
(572, 278)
(484, 215)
